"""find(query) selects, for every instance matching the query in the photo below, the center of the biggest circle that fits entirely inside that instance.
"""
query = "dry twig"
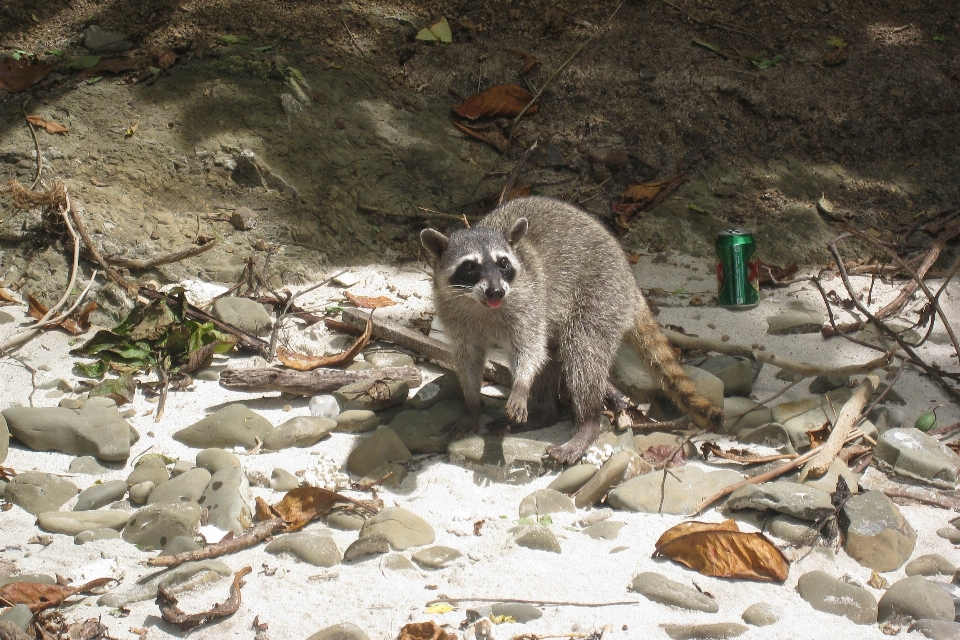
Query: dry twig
(844, 423)
(255, 534)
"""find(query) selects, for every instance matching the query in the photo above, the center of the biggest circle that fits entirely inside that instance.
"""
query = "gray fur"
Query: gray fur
(572, 300)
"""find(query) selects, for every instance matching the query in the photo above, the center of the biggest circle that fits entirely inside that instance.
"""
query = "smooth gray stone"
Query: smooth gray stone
(73, 522)
(233, 426)
(436, 557)
(179, 544)
(316, 548)
(501, 458)
(711, 631)
(185, 577)
(154, 525)
(301, 431)
(242, 313)
(915, 598)
(520, 612)
(100, 495)
(226, 500)
(833, 400)
(382, 446)
(607, 530)
(187, 487)
(445, 387)
(27, 577)
(363, 548)
(70, 403)
(324, 406)
(545, 501)
(354, 396)
(930, 565)
(89, 430)
(736, 374)
(342, 631)
(149, 468)
(4, 438)
(950, 533)
(822, 384)
(283, 480)
(799, 320)
(356, 421)
(611, 473)
(389, 474)
(96, 39)
(6, 318)
(751, 414)
(140, 492)
(344, 520)
(37, 492)
(214, 460)
(181, 466)
(381, 359)
(19, 614)
(96, 534)
(661, 589)
(535, 536)
(398, 563)
(828, 481)
(423, 431)
(400, 528)
(793, 530)
(572, 478)
(914, 454)
(825, 593)
(684, 489)
(86, 465)
(877, 534)
(797, 500)
(769, 435)
(936, 629)
(209, 375)
(761, 614)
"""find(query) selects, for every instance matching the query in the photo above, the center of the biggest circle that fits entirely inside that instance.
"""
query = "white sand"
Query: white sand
(452, 498)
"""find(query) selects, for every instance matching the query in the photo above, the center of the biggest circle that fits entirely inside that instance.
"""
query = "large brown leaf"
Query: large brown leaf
(725, 552)
(302, 505)
(38, 596)
(48, 125)
(425, 631)
(506, 100)
(19, 75)
(365, 302)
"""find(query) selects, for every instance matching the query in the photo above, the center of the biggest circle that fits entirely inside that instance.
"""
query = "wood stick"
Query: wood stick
(425, 345)
(769, 475)
(841, 429)
(148, 263)
(257, 533)
(311, 383)
(922, 496)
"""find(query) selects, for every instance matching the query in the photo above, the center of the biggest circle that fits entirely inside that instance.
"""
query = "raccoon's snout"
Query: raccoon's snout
(493, 296)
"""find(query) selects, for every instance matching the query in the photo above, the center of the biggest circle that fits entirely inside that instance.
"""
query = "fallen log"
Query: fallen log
(311, 383)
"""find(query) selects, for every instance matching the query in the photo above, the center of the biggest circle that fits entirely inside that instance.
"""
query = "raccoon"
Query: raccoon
(550, 281)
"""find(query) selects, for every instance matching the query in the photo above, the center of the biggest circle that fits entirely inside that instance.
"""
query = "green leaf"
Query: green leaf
(926, 421)
(707, 45)
(695, 208)
(233, 39)
(83, 63)
(54, 52)
(263, 49)
(121, 390)
(940, 39)
(834, 41)
(154, 456)
(94, 79)
(545, 520)
(439, 31)
(765, 63)
(90, 370)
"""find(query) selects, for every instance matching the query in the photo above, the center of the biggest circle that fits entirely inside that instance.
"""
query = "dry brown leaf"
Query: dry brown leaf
(424, 631)
(820, 435)
(263, 510)
(163, 58)
(303, 362)
(6, 297)
(369, 303)
(835, 57)
(111, 65)
(506, 100)
(660, 453)
(302, 505)
(37, 311)
(500, 144)
(19, 75)
(643, 192)
(529, 62)
(643, 197)
(717, 550)
(38, 596)
(772, 275)
(47, 125)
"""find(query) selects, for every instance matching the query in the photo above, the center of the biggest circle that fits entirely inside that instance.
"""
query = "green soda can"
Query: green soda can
(738, 278)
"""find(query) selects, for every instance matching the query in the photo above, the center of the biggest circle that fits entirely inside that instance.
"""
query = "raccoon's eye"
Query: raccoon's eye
(503, 263)
(469, 267)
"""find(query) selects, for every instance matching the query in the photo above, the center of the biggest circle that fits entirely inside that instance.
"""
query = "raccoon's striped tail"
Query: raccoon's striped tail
(656, 353)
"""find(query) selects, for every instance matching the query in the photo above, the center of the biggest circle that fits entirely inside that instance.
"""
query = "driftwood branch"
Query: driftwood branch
(841, 428)
(311, 383)
(705, 344)
(149, 263)
(255, 534)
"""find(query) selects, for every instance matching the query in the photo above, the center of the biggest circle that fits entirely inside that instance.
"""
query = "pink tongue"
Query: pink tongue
(493, 304)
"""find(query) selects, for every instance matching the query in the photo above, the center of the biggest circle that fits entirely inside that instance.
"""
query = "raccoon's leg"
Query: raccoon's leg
(529, 345)
(470, 357)
(544, 405)
(586, 353)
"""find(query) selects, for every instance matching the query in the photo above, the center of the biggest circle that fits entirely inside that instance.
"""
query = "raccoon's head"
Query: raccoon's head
(477, 263)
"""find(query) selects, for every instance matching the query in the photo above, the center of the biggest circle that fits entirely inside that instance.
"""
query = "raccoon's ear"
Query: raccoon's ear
(434, 242)
(518, 231)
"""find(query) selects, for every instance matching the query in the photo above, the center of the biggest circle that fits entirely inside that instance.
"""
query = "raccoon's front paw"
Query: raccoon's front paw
(517, 408)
